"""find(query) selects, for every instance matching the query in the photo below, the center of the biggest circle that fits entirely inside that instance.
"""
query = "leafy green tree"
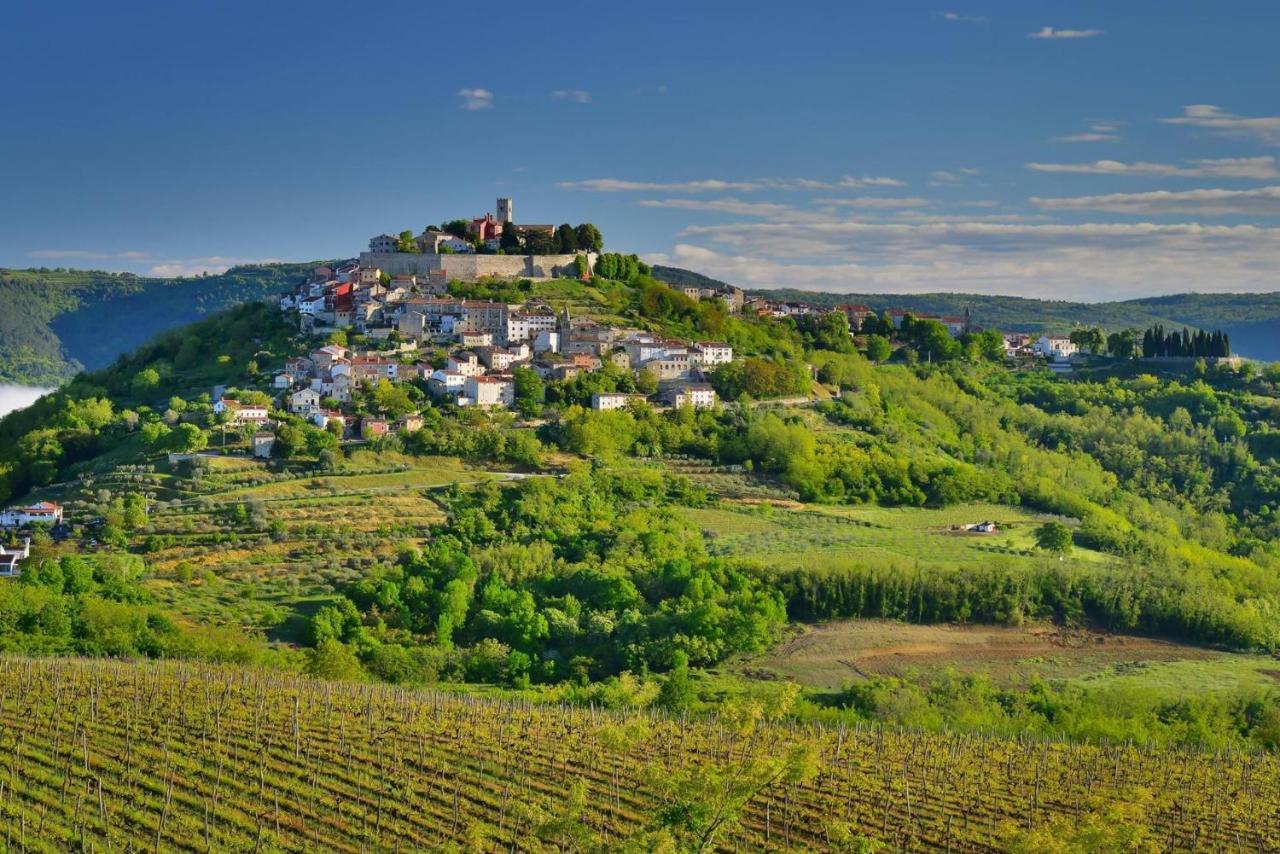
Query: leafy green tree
(1088, 339)
(332, 659)
(677, 694)
(1054, 537)
(589, 238)
(566, 239)
(406, 242)
(188, 439)
(145, 382)
(878, 348)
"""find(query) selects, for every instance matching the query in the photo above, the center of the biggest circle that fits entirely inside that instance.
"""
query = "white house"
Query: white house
(607, 400)
(490, 391)
(304, 402)
(9, 558)
(711, 353)
(450, 383)
(1055, 347)
(41, 513)
(282, 380)
(241, 413)
(697, 395)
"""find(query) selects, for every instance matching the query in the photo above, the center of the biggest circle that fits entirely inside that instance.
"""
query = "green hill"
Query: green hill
(58, 322)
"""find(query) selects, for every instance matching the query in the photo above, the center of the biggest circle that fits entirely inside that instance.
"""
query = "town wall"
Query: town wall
(472, 267)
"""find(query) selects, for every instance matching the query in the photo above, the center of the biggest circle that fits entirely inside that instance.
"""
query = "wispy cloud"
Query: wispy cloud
(957, 18)
(729, 206)
(475, 99)
(88, 255)
(882, 202)
(1254, 168)
(1263, 201)
(1054, 33)
(1097, 132)
(716, 185)
(580, 96)
(618, 185)
(1086, 261)
(951, 176)
(1263, 128)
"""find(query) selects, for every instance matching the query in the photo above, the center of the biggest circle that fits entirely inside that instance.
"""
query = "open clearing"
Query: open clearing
(831, 655)
(831, 536)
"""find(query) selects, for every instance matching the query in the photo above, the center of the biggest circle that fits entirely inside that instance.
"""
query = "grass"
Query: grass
(838, 535)
(828, 656)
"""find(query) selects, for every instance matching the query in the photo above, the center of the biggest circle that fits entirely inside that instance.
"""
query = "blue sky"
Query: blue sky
(1073, 150)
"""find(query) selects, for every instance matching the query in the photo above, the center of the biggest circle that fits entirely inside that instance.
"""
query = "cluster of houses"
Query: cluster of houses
(44, 513)
(485, 343)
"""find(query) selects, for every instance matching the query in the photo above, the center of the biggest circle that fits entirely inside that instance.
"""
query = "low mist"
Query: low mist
(17, 396)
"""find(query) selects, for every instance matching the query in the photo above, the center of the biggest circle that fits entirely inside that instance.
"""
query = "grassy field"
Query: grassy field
(786, 537)
(165, 757)
(829, 656)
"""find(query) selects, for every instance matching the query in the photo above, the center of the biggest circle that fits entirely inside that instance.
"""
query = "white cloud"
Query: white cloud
(580, 96)
(1263, 201)
(951, 176)
(875, 202)
(1053, 33)
(729, 206)
(1255, 168)
(617, 185)
(956, 17)
(715, 185)
(1088, 136)
(88, 255)
(475, 99)
(1263, 128)
(1087, 261)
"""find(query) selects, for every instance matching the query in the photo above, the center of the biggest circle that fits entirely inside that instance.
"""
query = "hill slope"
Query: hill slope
(168, 757)
(58, 322)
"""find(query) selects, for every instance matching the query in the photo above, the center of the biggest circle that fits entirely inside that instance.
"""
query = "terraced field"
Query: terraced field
(162, 757)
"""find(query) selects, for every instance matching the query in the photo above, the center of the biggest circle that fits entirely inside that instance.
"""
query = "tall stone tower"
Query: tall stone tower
(505, 211)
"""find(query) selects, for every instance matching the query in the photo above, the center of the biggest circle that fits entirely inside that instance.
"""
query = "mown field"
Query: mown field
(786, 537)
(831, 655)
(163, 757)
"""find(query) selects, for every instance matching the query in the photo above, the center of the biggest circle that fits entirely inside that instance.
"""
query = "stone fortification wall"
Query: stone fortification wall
(471, 267)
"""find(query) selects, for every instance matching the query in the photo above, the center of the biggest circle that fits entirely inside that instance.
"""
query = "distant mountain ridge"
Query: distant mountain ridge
(1251, 319)
(57, 322)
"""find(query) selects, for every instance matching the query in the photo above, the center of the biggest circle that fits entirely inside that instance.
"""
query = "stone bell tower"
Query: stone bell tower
(506, 213)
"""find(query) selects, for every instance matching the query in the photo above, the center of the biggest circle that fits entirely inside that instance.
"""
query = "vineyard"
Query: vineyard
(107, 755)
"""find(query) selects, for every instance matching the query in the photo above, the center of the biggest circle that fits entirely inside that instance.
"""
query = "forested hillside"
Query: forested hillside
(57, 322)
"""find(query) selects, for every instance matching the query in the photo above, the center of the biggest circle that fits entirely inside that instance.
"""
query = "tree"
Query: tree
(332, 659)
(1054, 537)
(529, 391)
(589, 238)
(509, 242)
(456, 227)
(567, 239)
(145, 382)
(540, 243)
(406, 243)
(1123, 344)
(677, 694)
(188, 439)
(878, 348)
(1090, 339)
